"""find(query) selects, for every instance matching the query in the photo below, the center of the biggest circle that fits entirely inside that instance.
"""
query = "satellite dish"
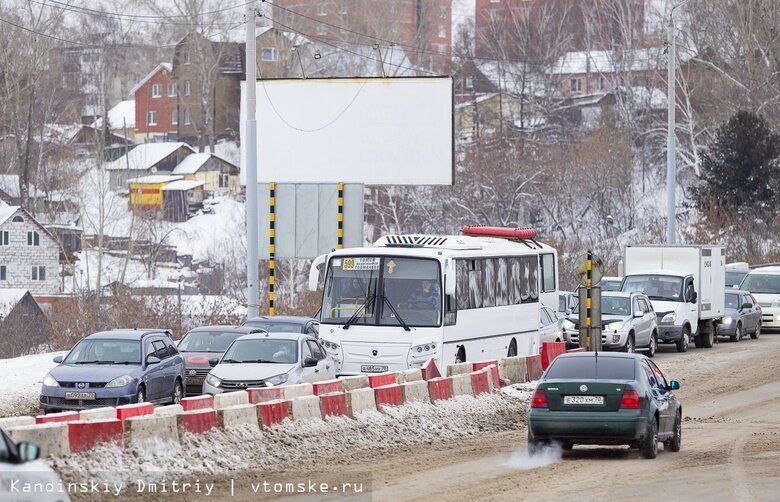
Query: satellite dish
(580, 273)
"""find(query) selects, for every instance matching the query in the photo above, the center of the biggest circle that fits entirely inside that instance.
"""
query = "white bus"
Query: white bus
(407, 298)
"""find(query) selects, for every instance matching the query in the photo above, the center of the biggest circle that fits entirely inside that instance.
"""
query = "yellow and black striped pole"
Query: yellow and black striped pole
(272, 250)
(340, 232)
(588, 298)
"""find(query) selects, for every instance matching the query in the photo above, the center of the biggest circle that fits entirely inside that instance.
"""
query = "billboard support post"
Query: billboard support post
(340, 231)
(252, 201)
(272, 250)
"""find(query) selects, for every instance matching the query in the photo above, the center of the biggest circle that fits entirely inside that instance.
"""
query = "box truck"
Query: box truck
(686, 285)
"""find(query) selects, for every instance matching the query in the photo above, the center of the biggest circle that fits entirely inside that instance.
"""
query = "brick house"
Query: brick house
(208, 78)
(156, 113)
(29, 254)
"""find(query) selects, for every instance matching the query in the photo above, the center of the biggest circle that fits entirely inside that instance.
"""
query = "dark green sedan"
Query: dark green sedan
(605, 398)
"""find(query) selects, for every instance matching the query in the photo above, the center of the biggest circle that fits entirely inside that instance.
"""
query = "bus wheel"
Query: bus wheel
(512, 348)
(460, 357)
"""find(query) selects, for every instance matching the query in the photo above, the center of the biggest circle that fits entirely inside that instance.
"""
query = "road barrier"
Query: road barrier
(513, 369)
(105, 413)
(334, 404)
(459, 369)
(304, 407)
(430, 370)
(416, 391)
(169, 411)
(410, 376)
(551, 350)
(147, 431)
(389, 395)
(355, 382)
(238, 415)
(302, 389)
(51, 437)
(327, 387)
(134, 410)
(360, 400)
(493, 365)
(83, 436)
(197, 421)
(481, 382)
(204, 402)
(272, 413)
(264, 394)
(65, 416)
(382, 379)
(534, 367)
(228, 399)
(461, 385)
(7, 423)
(440, 389)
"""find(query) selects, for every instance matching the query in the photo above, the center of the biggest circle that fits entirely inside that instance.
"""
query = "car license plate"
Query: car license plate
(88, 396)
(373, 368)
(583, 400)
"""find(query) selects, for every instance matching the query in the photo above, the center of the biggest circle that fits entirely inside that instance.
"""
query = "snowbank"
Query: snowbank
(22, 377)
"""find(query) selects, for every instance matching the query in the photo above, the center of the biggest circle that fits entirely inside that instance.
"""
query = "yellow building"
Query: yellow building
(217, 174)
(146, 192)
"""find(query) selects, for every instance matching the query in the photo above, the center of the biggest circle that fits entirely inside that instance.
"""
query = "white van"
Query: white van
(764, 284)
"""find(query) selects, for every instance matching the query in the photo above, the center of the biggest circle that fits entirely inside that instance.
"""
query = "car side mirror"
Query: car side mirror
(694, 297)
(747, 306)
(674, 385)
(58, 359)
(213, 361)
(639, 314)
(309, 362)
(28, 451)
(152, 359)
(568, 311)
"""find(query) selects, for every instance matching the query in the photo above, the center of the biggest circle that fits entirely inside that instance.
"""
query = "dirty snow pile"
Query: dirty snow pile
(22, 377)
(522, 391)
(292, 444)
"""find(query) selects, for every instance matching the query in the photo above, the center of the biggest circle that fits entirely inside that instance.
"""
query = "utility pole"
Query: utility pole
(252, 206)
(671, 138)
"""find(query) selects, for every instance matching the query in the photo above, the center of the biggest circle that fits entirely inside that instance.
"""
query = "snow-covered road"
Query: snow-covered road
(21, 379)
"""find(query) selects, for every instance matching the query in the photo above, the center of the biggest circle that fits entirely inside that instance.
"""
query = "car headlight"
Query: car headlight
(49, 381)
(120, 381)
(670, 317)
(727, 320)
(567, 324)
(618, 325)
(213, 381)
(276, 380)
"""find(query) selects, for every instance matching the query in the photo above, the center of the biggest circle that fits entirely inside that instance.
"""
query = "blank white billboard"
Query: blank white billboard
(373, 131)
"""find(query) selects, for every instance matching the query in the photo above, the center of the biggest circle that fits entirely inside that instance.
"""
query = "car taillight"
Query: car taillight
(630, 400)
(540, 399)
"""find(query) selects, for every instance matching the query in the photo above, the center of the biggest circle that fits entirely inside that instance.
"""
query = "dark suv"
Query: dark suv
(116, 367)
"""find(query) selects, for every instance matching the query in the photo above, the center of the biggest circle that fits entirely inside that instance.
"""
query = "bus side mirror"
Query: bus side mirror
(450, 279)
(314, 272)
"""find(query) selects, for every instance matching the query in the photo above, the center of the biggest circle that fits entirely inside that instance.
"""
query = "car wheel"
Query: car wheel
(653, 344)
(708, 339)
(512, 352)
(567, 445)
(460, 357)
(649, 447)
(757, 332)
(629, 346)
(685, 338)
(177, 393)
(675, 443)
(140, 396)
(737, 333)
(534, 446)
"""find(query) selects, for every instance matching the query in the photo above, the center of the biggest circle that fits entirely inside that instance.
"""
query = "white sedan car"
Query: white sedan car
(269, 359)
(24, 477)
(549, 325)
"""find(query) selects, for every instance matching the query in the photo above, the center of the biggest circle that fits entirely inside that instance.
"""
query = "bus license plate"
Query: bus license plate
(373, 368)
(88, 396)
(583, 400)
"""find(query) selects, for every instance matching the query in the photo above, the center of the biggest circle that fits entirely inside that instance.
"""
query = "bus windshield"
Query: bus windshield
(382, 291)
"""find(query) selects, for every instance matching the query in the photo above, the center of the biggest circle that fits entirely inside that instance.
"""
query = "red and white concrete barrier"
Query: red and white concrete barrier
(273, 413)
(84, 436)
(334, 405)
(361, 400)
(534, 367)
(229, 399)
(239, 415)
(304, 407)
(389, 395)
(65, 416)
(134, 410)
(148, 431)
(51, 437)
(440, 389)
(204, 402)
(551, 350)
(197, 421)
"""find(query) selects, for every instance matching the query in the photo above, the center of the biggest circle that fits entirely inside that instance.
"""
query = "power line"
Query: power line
(144, 16)
(53, 37)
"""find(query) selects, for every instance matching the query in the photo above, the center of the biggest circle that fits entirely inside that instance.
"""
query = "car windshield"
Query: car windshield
(762, 284)
(274, 327)
(591, 368)
(409, 292)
(610, 284)
(207, 341)
(734, 278)
(613, 305)
(732, 301)
(105, 351)
(656, 287)
(264, 350)
(567, 301)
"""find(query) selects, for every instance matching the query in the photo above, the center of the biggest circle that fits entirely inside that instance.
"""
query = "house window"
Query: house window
(575, 85)
(171, 90)
(18, 219)
(224, 180)
(187, 87)
(344, 7)
(175, 117)
(469, 82)
(38, 274)
(600, 83)
(2, 273)
(33, 238)
(186, 57)
(156, 90)
(269, 53)
(4, 238)
(187, 119)
(322, 10)
(322, 29)
(442, 31)
(151, 117)
(442, 12)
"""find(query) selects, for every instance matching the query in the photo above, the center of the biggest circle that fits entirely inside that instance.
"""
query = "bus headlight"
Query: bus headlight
(418, 354)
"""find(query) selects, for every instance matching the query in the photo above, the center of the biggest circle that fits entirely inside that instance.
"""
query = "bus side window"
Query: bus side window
(548, 273)
(462, 284)
(451, 310)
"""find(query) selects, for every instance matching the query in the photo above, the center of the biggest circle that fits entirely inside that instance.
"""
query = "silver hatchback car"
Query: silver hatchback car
(269, 359)
(628, 323)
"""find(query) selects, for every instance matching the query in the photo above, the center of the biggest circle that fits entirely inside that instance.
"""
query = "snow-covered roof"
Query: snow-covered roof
(192, 163)
(6, 211)
(9, 298)
(183, 185)
(480, 98)
(594, 62)
(155, 178)
(144, 156)
(162, 66)
(121, 115)
(652, 99)
(9, 183)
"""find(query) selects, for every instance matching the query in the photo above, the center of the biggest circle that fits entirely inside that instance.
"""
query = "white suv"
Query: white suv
(764, 284)
(628, 323)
